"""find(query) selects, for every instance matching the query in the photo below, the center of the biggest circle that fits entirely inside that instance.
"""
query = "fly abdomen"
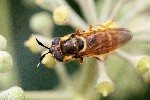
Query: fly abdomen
(119, 37)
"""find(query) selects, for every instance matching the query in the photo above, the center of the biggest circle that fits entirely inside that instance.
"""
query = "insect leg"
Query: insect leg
(77, 31)
(101, 59)
(108, 24)
(101, 25)
(91, 27)
(81, 60)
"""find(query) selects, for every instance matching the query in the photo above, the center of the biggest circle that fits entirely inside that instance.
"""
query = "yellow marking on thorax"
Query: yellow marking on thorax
(65, 37)
(84, 41)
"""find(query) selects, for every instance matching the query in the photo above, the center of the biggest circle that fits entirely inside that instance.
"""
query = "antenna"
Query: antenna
(38, 64)
(40, 43)
(42, 58)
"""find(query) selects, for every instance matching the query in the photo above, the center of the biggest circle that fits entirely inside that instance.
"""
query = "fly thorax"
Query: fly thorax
(72, 46)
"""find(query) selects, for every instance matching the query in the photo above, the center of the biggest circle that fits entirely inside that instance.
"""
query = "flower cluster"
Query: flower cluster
(6, 63)
(14, 93)
(5, 58)
(88, 86)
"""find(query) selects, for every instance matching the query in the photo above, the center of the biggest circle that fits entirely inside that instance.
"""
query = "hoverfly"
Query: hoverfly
(94, 42)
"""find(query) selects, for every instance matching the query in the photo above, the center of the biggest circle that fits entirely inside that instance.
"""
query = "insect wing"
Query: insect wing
(103, 42)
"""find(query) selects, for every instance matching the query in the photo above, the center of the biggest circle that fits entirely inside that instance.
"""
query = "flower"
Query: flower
(143, 65)
(6, 62)
(33, 45)
(42, 23)
(48, 60)
(61, 15)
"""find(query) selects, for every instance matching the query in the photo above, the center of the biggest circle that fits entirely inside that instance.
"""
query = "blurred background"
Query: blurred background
(15, 27)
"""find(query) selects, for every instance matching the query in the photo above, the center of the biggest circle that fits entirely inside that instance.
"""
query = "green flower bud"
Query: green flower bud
(2, 42)
(5, 61)
(42, 23)
(48, 60)
(143, 65)
(14, 93)
(61, 15)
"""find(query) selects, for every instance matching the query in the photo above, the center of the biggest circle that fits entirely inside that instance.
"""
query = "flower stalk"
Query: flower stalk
(75, 20)
(47, 95)
(103, 15)
(116, 9)
(63, 75)
(49, 5)
(104, 86)
(90, 13)
(89, 75)
(140, 63)
(139, 6)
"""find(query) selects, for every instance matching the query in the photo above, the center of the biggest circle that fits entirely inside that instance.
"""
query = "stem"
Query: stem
(105, 10)
(139, 5)
(142, 28)
(127, 56)
(47, 95)
(49, 5)
(75, 19)
(89, 75)
(103, 74)
(132, 59)
(63, 75)
(90, 13)
(116, 9)
(141, 38)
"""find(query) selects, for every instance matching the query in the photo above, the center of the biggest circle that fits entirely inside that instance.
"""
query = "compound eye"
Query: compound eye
(56, 41)
(58, 56)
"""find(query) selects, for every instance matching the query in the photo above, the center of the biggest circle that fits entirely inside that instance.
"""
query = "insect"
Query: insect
(94, 42)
